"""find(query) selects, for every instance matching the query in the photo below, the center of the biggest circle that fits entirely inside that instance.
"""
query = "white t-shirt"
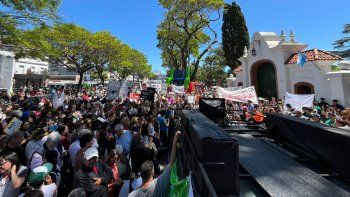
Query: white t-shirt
(49, 190)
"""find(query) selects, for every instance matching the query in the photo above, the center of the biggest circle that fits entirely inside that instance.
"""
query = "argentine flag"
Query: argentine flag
(301, 59)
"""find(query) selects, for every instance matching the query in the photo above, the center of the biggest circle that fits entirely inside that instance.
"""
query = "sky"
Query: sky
(317, 23)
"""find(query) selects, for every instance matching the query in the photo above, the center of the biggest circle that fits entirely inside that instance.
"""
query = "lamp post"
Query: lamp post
(254, 50)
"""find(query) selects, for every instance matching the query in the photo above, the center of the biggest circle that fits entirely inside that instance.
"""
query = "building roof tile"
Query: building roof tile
(313, 55)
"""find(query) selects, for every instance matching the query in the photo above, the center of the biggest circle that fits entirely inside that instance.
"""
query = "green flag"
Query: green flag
(178, 188)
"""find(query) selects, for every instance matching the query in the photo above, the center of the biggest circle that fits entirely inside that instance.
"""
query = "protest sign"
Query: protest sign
(58, 102)
(242, 95)
(12, 126)
(118, 89)
(178, 89)
(298, 101)
(191, 99)
(157, 84)
(146, 95)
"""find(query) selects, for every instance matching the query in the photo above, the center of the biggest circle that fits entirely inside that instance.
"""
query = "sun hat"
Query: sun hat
(90, 153)
(39, 173)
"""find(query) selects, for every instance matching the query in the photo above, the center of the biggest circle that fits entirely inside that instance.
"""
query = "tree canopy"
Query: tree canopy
(182, 35)
(18, 15)
(234, 34)
(343, 44)
(79, 50)
(213, 69)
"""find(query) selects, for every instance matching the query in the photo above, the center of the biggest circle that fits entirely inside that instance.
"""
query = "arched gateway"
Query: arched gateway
(263, 76)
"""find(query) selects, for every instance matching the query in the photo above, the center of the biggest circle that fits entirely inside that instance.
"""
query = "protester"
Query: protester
(161, 185)
(111, 142)
(93, 175)
(12, 174)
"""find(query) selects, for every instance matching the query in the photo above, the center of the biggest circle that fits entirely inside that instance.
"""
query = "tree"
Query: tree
(107, 49)
(65, 45)
(213, 68)
(19, 15)
(181, 35)
(234, 35)
(343, 44)
(100, 76)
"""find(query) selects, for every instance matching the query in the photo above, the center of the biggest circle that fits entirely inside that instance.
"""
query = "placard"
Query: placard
(12, 126)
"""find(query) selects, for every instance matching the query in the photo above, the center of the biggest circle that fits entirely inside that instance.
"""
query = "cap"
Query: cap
(38, 174)
(90, 153)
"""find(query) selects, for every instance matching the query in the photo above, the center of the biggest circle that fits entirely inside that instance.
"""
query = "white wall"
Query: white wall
(7, 69)
(311, 74)
(340, 86)
(35, 66)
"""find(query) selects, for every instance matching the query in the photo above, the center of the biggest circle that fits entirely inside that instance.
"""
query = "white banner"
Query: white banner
(178, 89)
(242, 95)
(298, 101)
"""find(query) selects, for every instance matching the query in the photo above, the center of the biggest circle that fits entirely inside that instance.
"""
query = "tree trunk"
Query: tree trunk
(194, 72)
(81, 75)
(100, 75)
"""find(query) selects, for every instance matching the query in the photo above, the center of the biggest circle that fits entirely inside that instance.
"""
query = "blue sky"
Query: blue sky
(317, 23)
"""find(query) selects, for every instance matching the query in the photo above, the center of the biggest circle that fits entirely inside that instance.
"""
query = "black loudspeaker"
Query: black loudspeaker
(213, 108)
(216, 150)
(331, 145)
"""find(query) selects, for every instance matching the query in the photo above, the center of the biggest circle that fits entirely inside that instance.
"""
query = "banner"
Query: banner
(232, 88)
(242, 95)
(298, 101)
(178, 89)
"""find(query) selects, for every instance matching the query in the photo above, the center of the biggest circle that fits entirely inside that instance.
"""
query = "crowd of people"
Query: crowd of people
(78, 143)
(334, 115)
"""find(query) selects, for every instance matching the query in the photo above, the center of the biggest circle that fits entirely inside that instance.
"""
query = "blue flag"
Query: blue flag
(301, 59)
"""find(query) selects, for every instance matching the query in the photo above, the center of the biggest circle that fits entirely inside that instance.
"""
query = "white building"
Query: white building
(270, 65)
(24, 71)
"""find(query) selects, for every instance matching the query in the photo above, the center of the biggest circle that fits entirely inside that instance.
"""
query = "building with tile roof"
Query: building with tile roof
(270, 65)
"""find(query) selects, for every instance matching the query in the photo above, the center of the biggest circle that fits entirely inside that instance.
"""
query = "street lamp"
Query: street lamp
(254, 50)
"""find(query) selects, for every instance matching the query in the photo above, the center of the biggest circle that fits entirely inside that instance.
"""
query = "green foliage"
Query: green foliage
(182, 34)
(97, 76)
(18, 15)
(343, 44)
(65, 45)
(213, 69)
(234, 34)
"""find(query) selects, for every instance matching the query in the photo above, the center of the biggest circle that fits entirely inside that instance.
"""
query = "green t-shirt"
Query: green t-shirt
(329, 122)
(318, 109)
